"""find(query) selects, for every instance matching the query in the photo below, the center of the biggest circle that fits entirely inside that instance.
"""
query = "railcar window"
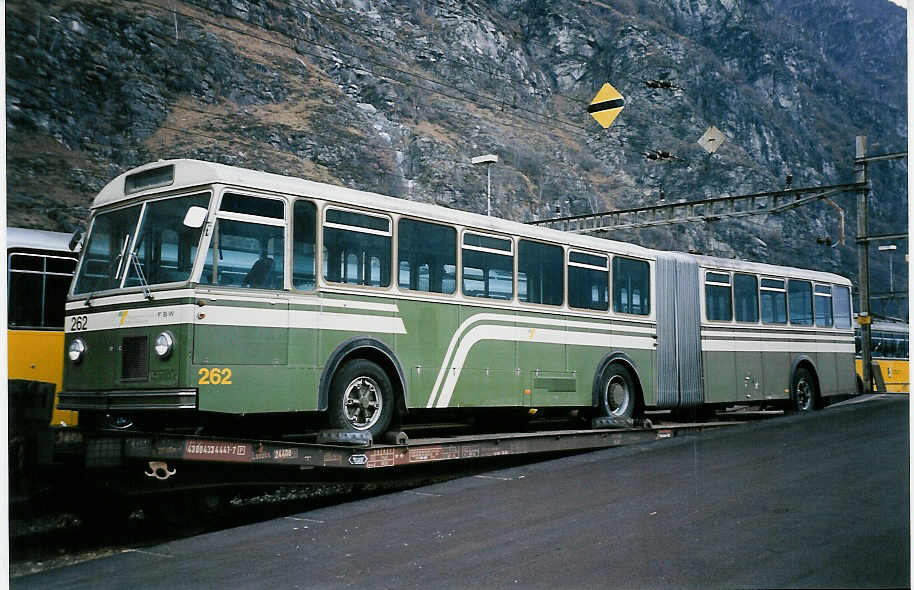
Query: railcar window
(841, 302)
(773, 299)
(165, 248)
(823, 306)
(799, 295)
(304, 238)
(718, 293)
(745, 298)
(902, 346)
(539, 273)
(37, 288)
(357, 248)
(488, 266)
(588, 281)
(427, 256)
(106, 252)
(631, 286)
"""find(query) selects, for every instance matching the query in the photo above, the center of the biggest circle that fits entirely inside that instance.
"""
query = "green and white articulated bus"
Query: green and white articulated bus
(208, 292)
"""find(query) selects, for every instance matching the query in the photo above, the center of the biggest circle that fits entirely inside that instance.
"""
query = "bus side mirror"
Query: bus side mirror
(195, 217)
(75, 239)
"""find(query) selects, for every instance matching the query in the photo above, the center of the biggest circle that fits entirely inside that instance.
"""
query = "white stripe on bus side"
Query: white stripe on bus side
(532, 326)
(771, 346)
(528, 334)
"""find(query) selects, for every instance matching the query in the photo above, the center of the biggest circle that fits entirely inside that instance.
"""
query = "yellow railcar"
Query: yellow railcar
(890, 357)
(39, 267)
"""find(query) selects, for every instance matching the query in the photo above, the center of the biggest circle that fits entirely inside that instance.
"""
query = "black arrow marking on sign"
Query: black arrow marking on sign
(616, 103)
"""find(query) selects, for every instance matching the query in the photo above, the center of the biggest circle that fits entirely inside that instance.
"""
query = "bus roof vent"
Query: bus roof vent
(152, 178)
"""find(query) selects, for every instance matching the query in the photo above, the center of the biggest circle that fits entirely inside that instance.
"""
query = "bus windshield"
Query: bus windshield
(140, 245)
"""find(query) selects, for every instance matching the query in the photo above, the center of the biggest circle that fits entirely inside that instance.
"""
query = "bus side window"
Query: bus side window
(631, 286)
(823, 306)
(247, 248)
(718, 302)
(488, 266)
(427, 255)
(588, 281)
(541, 266)
(841, 303)
(773, 298)
(357, 248)
(304, 238)
(745, 297)
(799, 295)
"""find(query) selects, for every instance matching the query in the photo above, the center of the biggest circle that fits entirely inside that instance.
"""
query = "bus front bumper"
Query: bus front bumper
(148, 399)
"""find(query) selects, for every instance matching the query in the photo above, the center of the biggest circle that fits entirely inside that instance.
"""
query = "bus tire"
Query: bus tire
(805, 390)
(618, 395)
(361, 398)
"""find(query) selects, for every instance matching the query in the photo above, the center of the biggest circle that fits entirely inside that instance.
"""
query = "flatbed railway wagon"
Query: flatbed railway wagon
(213, 295)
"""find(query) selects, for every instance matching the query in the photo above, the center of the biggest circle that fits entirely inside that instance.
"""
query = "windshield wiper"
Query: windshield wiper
(120, 257)
(139, 272)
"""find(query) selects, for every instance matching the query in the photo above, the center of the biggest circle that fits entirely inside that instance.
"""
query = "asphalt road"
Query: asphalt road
(818, 501)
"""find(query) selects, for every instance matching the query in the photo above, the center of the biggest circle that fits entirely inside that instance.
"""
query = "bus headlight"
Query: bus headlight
(77, 350)
(164, 344)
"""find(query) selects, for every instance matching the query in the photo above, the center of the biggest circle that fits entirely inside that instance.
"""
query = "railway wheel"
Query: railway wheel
(617, 393)
(361, 398)
(805, 391)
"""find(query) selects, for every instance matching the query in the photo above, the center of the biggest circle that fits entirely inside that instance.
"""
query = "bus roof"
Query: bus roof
(38, 239)
(196, 173)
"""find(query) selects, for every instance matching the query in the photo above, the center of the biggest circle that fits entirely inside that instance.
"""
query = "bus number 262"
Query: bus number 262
(215, 376)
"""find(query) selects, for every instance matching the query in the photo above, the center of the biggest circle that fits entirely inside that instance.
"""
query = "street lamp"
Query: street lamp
(891, 249)
(488, 160)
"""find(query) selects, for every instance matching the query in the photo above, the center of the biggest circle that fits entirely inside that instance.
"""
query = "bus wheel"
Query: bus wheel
(361, 398)
(804, 391)
(617, 393)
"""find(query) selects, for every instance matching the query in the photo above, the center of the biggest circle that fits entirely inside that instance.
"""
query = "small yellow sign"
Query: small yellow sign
(864, 320)
(606, 105)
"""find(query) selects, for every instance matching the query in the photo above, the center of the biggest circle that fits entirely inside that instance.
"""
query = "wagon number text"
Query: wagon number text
(215, 376)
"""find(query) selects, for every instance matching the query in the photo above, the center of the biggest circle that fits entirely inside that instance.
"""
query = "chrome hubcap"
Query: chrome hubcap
(362, 403)
(617, 396)
(804, 394)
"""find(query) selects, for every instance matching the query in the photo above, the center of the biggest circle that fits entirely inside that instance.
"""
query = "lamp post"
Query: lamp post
(488, 160)
(891, 248)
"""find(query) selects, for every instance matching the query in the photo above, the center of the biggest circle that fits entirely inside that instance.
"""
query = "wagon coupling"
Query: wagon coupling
(160, 470)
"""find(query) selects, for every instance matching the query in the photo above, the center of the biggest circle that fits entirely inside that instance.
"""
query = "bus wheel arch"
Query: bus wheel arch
(614, 370)
(368, 349)
(805, 392)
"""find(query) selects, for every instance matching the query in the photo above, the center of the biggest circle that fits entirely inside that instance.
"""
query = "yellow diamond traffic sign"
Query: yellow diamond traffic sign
(606, 105)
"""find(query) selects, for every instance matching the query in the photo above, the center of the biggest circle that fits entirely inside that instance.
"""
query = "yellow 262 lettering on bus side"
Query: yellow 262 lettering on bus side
(215, 376)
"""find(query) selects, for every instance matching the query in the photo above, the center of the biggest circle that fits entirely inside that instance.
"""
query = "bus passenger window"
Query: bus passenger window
(248, 245)
(718, 304)
(304, 222)
(631, 286)
(488, 266)
(841, 302)
(823, 306)
(745, 298)
(799, 295)
(541, 267)
(357, 248)
(773, 298)
(427, 256)
(588, 281)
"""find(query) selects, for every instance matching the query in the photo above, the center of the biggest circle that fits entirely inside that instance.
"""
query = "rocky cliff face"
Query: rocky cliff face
(396, 97)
